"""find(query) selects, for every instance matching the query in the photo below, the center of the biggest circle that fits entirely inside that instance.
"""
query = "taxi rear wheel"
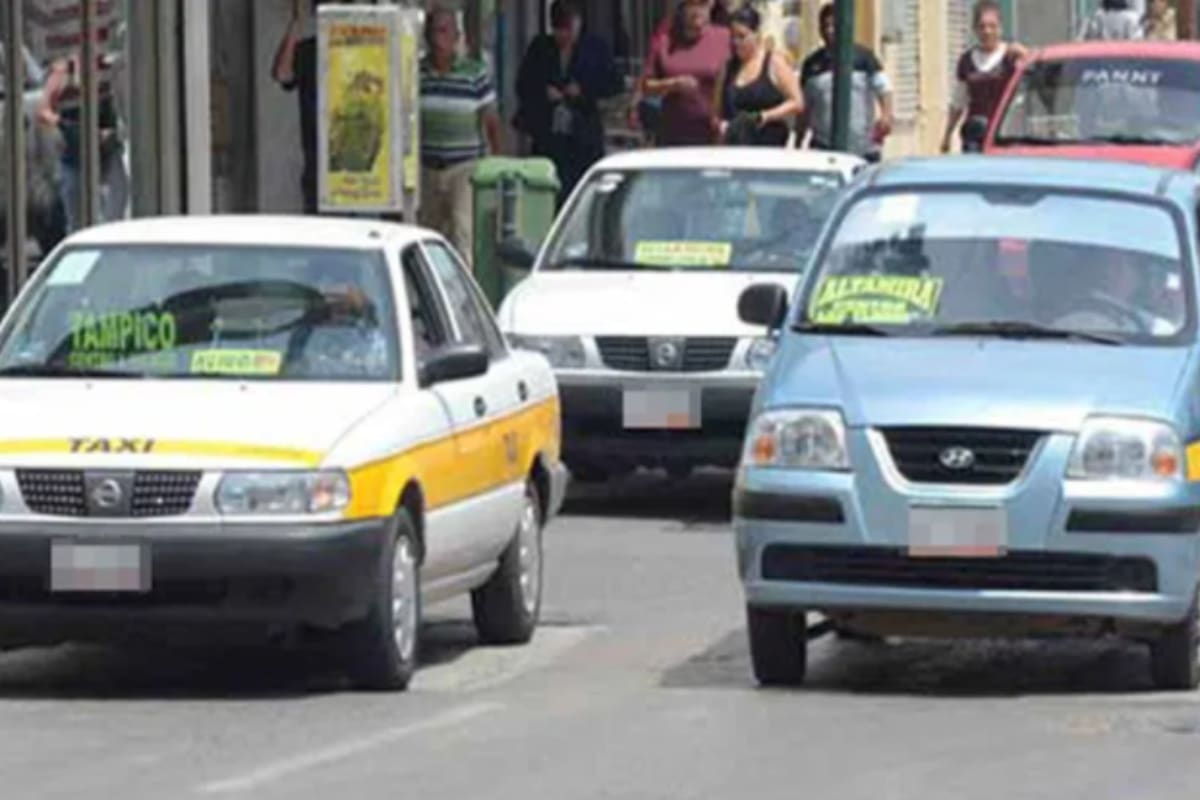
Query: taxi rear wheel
(1175, 656)
(507, 607)
(778, 646)
(381, 650)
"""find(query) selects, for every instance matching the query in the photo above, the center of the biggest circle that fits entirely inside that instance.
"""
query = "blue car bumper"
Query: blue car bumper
(839, 542)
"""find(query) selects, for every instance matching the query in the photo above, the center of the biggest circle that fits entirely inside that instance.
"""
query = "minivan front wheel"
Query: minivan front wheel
(1175, 655)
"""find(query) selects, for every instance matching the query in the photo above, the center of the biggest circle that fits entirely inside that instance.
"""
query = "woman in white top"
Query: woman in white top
(1114, 20)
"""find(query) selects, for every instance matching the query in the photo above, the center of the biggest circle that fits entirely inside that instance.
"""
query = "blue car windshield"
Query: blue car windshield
(922, 260)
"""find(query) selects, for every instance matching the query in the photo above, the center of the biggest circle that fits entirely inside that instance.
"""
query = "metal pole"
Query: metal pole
(89, 118)
(14, 93)
(1186, 19)
(843, 72)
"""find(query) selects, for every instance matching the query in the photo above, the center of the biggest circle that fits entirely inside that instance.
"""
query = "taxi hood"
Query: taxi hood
(650, 303)
(178, 423)
(976, 382)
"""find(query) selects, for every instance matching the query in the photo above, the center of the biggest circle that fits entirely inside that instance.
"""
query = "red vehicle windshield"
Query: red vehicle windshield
(1104, 100)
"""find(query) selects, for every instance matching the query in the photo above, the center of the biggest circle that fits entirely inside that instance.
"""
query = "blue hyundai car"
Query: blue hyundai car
(983, 415)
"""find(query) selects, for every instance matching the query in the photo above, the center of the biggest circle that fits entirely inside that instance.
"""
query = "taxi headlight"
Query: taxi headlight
(563, 352)
(809, 439)
(1116, 448)
(760, 353)
(283, 492)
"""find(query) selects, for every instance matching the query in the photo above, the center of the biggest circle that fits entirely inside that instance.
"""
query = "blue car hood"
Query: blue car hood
(975, 382)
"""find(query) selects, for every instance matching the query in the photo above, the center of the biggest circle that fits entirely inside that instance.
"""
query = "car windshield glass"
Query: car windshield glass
(1005, 262)
(718, 219)
(172, 311)
(1122, 100)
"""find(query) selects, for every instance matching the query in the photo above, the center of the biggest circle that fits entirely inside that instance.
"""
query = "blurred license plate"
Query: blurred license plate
(675, 409)
(99, 568)
(957, 532)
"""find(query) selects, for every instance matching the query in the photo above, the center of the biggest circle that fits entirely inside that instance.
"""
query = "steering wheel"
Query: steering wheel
(1111, 309)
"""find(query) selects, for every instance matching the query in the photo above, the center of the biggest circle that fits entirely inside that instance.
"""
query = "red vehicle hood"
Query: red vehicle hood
(1177, 156)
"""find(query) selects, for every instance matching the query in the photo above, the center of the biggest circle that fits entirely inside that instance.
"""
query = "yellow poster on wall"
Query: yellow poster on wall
(358, 88)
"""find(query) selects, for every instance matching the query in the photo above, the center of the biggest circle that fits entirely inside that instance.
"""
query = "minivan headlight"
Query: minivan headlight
(563, 352)
(1117, 448)
(759, 354)
(810, 439)
(283, 492)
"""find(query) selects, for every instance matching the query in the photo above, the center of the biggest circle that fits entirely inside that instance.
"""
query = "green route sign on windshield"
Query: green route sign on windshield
(875, 299)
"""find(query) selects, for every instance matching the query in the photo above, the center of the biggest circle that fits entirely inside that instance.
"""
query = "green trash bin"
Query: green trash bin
(514, 201)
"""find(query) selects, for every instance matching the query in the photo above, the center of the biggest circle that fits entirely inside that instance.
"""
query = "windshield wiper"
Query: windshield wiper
(597, 263)
(1018, 329)
(1030, 139)
(1130, 138)
(835, 329)
(47, 371)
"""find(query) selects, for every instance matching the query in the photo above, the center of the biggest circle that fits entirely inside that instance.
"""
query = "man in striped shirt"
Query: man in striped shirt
(459, 125)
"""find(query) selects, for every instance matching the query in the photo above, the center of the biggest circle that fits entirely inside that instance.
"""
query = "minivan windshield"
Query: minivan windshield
(695, 219)
(248, 312)
(1111, 100)
(1004, 261)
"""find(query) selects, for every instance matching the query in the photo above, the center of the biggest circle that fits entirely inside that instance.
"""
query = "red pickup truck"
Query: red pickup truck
(1133, 101)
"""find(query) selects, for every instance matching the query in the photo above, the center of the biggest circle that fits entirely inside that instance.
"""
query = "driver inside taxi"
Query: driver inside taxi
(346, 336)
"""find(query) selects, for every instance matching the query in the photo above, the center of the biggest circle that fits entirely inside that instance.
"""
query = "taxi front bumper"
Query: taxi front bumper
(254, 578)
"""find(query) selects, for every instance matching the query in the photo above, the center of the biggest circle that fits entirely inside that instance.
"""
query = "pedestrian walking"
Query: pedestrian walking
(561, 81)
(459, 125)
(983, 72)
(295, 70)
(758, 95)
(1160, 23)
(61, 107)
(1114, 20)
(684, 71)
(871, 108)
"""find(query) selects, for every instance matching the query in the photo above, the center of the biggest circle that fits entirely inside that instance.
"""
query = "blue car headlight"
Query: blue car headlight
(811, 439)
(1120, 448)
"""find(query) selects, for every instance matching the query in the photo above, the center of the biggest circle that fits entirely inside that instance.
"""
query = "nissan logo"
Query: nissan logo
(958, 459)
(107, 494)
(666, 354)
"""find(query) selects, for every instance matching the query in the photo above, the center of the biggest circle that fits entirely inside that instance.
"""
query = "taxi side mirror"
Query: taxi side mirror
(454, 362)
(764, 304)
(516, 253)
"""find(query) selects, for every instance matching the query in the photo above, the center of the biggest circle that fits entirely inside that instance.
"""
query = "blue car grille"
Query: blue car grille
(997, 455)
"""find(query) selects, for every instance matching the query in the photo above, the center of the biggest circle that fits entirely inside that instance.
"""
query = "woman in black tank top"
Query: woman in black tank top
(757, 108)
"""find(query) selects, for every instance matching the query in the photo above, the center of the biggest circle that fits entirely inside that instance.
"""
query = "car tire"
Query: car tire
(1175, 655)
(381, 650)
(506, 608)
(778, 646)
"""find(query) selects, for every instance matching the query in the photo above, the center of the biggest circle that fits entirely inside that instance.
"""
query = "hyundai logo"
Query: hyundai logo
(958, 459)
(107, 494)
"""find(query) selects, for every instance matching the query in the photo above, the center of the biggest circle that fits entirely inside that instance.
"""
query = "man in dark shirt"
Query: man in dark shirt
(295, 70)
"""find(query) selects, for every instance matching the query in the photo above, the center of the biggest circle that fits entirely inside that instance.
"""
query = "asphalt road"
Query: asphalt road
(638, 686)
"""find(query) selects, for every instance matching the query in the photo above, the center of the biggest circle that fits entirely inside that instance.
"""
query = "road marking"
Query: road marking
(287, 767)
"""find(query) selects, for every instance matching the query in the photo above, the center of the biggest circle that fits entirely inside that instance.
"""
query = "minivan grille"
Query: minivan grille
(632, 353)
(997, 456)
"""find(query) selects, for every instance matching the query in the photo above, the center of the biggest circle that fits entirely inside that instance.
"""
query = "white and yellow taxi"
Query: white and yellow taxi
(269, 425)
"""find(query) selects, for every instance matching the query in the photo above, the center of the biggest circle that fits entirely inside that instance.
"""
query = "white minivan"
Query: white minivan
(633, 297)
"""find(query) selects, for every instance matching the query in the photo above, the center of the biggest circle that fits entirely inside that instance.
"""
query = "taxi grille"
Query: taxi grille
(632, 353)
(1016, 571)
(60, 492)
(998, 455)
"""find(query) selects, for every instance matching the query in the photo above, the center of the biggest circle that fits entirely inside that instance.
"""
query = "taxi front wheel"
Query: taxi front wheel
(507, 607)
(1175, 655)
(778, 646)
(381, 650)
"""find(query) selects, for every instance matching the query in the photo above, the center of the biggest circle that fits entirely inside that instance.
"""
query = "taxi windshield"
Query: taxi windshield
(1029, 263)
(677, 219)
(1110, 100)
(206, 312)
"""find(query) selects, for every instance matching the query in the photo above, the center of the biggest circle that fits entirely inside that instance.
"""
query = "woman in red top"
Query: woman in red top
(684, 70)
(984, 71)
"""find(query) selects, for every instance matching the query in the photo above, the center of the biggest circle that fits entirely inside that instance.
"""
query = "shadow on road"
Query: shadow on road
(80, 672)
(703, 498)
(983, 669)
